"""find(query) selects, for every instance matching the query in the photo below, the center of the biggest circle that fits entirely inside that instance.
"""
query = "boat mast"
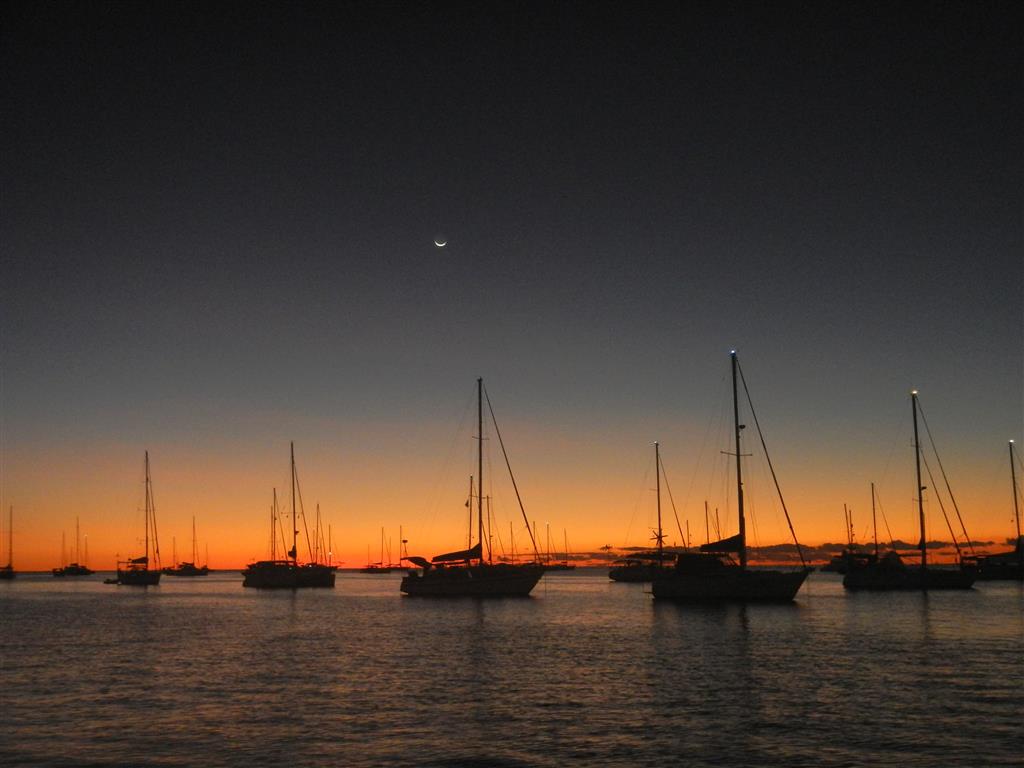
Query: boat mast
(295, 515)
(874, 520)
(920, 488)
(657, 491)
(1016, 508)
(480, 463)
(78, 541)
(195, 551)
(739, 464)
(147, 509)
(273, 528)
(63, 549)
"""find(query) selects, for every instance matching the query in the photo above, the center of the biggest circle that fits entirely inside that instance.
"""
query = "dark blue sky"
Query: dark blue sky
(212, 214)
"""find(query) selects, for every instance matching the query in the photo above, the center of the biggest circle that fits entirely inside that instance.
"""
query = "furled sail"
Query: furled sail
(731, 544)
(465, 554)
(139, 560)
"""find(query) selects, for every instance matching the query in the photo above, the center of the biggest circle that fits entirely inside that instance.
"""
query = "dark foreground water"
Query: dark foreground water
(204, 673)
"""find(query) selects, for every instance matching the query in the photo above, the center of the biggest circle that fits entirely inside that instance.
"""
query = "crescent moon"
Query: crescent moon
(440, 243)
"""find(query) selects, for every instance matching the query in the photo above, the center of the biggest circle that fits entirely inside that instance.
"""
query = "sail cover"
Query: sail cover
(465, 554)
(732, 544)
(139, 561)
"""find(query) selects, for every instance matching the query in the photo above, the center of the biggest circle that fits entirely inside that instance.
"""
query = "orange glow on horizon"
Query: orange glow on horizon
(581, 485)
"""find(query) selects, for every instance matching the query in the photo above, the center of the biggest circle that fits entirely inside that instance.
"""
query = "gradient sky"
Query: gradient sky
(218, 227)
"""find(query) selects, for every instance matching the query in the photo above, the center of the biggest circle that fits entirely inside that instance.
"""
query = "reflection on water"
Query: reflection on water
(587, 672)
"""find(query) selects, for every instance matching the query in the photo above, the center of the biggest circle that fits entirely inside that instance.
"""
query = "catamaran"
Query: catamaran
(189, 568)
(287, 573)
(77, 568)
(472, 572)
(711, 575)
(380, 567)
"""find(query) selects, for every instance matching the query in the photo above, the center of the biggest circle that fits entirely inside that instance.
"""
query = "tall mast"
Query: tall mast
(874, 520)
(739, 464)
(63, 549)
(657, 491)
(78, 541)
(195, 551)
(707, 524)
(1016, 509)
(273, 528)
(147, 509)
(480, 463)
(295, 514)
(920, 488)
(469, 525)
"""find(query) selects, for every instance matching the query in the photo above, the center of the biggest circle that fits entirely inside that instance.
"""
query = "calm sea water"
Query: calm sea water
(203, 672)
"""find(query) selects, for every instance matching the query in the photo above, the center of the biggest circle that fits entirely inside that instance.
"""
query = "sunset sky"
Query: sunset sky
(218, 237)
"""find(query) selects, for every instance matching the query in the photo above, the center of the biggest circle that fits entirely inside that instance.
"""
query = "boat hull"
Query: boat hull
(1004, 566)
(286, 575)
(909, 579)
(732, 585)
(635, 573)
(6, 573)
(137, 577)
(73, 570)
(501, 580)
(186, 570)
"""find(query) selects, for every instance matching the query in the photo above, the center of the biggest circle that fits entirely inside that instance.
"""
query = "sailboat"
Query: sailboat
(564, 564)
(190, 568)
(890, 573)
(136, 571)
(77, 568)
(7, 571)
(1004, 566)
(642, 566)
(711, 575)
(380, 567)
(287, 573)
(468, 572)
(840, 563)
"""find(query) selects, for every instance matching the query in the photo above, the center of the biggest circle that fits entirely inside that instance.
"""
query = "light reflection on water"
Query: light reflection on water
(589, 672)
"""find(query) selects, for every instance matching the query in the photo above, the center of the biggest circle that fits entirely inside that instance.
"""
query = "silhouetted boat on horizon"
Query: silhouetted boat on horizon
(642, 567)
(76, 568)
(288, 573)
(380, 567)
(135, 572)
(1004, 566)
(7, 571)
(711, 575)
(189, 569)
(559, 565)
(889, 572)
(468, 573)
